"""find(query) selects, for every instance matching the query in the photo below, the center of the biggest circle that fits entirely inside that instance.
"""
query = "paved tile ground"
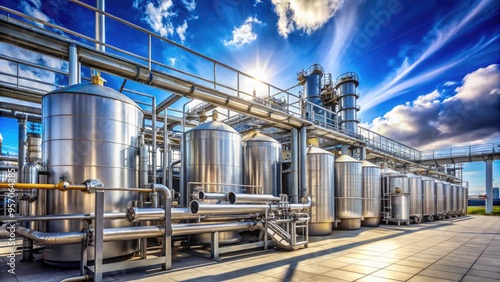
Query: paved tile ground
(463, 249)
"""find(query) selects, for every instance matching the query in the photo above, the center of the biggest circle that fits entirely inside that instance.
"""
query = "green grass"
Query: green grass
(481, 210)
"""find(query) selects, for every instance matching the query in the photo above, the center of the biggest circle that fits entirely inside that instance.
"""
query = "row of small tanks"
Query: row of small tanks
(413, 198)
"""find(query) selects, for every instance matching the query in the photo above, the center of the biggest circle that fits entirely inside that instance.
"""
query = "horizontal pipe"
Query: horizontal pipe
(237, 198)
(301, 207)
(135, 214)
(55, 238)
(132, 232)
(212, 196)
(63, 186)
(183, 213)
(77, 278)
(200, 208)
(80, 216)
(188, 229)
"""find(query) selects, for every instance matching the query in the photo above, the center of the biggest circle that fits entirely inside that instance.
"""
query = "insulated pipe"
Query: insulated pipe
(303, 161)
(234, 198)
(293, 190)
(56, 238)
(200, 208)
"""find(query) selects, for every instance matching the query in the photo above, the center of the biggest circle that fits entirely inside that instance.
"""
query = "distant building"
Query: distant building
(496, 193)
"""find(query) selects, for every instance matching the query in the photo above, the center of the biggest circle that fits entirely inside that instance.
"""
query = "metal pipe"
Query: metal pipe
(188, 229)
(21, 147)
(56, 238)
(362, 153)
(303, 161)
(166, 247)
(132, 232)
(235, 198)
(82, 216)
(73, 65)
(183, 213)
(212, 196)
(134, 214)
(100, 26)
(294, 189)
(171, 173)
(301, 207)
(77, 278)
(200, 208)
(62, 186)
(153, 125)
(167, 154)
(143, 162)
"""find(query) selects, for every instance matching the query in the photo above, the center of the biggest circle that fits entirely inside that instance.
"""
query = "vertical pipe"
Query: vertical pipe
(294, 189)
(73, 65)
(489, 185)
(21, 121)
(149, 51)
(99, 235)
(344, 149)
(182, 180)
(100, 28)
(167, 155)
(362, 153)
(303, 156)
(153, 125)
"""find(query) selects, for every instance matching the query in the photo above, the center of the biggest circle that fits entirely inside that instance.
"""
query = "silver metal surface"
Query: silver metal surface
(261, 163)
(416, 195)
(134, 214)
(321, 184)
(89, 132)
(440, 202)
(429, 202)
(371, 194)
(466, 199)
(460, 199)
(212, 155)
(399, 181)
(200, 208)
(348, 109)
(348, 192)
(236, 198)
(447, 198)
(400, 206)
(454, 199)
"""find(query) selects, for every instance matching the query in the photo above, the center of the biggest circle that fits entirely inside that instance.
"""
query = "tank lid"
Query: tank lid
(94, 89)
(257, 136)
(346, 159)
(365, 163)
(316, 150)
(214, 125)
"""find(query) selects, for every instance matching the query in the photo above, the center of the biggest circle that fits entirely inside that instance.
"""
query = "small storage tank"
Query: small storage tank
(440, 202)
(429, 202)
(447, 198)
(399, 181)
(320, 185)
(416, 195)
(261, 163)
(89, 131)
(400, 206)
(348, 192)
(371, 194)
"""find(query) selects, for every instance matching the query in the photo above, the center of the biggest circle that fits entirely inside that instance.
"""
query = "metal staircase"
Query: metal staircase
(288, 234)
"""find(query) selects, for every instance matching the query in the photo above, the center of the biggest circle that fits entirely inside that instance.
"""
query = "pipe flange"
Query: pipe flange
(91, 185)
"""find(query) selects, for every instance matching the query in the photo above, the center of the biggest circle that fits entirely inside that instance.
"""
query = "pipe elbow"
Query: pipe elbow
(161, 188)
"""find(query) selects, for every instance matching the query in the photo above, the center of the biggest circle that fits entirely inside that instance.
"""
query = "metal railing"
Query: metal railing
(380, 143)
(466, 151)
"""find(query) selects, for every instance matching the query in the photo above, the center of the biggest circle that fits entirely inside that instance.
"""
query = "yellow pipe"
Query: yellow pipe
(62, 186)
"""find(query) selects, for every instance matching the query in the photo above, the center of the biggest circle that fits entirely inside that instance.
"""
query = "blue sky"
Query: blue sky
(429, 73)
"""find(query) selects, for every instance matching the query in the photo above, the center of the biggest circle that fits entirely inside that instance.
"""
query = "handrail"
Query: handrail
(464, 151)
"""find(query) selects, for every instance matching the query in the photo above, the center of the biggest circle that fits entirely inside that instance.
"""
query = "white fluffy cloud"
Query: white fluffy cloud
(244, 34)
(468, 117)
(303, 14)
(160, 15)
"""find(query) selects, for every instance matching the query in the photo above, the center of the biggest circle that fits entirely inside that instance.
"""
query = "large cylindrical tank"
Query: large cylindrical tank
(212, 153)
(447, 198)
(429, 202)
(312, 89)
(440, 202)
(399, 181)
(400, 206)
(454, 199)
(89, 132)
(371, 193)
(466, 199)
(320, 185)
(346, 85)
(261, 164)
(348, 192)
(460, 200)
(416, 194)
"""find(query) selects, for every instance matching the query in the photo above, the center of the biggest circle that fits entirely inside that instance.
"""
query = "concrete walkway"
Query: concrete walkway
(464, 249)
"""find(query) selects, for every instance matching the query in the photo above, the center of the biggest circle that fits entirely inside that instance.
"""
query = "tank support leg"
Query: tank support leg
(214, 250)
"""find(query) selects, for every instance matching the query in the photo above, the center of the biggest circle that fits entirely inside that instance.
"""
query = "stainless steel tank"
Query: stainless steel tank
(447, 198)
(348, 110)
(399, 181)
(440, 202)
(348, 192)
(400, 206)
(460, 199)
(466, 199)
(416, 195)
(454, 199)
(320, 185)
(261, 163)
(429, 202)
(371, 194)
(89, 132)
(212, 153)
